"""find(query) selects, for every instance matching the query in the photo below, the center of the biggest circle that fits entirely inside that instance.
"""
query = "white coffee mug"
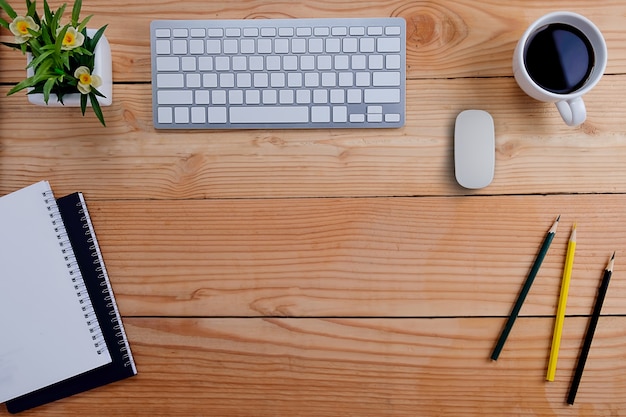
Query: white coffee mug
(569, 103)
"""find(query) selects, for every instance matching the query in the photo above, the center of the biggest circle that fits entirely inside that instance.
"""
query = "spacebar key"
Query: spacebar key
(273, 114)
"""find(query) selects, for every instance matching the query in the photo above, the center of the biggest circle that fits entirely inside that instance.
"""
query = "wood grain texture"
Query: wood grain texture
(344, 272)
(379, 257)
(360, 367)
(535, 151)
(445, 39)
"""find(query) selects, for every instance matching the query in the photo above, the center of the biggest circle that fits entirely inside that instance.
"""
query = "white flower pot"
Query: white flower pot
(102, 67)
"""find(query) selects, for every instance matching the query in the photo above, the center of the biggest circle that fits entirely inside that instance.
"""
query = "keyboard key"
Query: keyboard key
(175, 97)
(367, 45)
(202, 96)
(164, 115)
(253, 97)
(386, 79)
(357, 31)
(357, 118)
(303, 96)
(215, 32)
(213, 46)
(320, 114)
(247, 46)
(265, 114)
(268, 32)
(337, 96)
(350, 45)
(162, 33)
(181, 115)
(298, 46)
(251, 32)
(340, 114)
(388, 45)
(196, 47)
(304, 31)
(264, 46)
(321, 31)
(354, 96)
(197, 33)
(179, 47)
(281, 46)
(316, 45)
(218, 97)
(392, 118)
(232, 32)
(286, 96)
(217, 115)
(339, 31)
(163, 47)
(198, 115)
(188, 63)
(193, 81)
(285, 32)
(231, 46)
(168, 63)
(235, 97)
(381, 95)
(392, 62)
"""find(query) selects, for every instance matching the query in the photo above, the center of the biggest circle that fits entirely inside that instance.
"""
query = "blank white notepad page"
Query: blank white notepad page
(44, 337)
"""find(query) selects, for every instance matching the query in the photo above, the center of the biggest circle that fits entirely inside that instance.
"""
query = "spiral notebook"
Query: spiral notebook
(61, 330)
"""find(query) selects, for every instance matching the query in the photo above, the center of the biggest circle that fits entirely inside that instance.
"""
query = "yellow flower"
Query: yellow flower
(86, 80)
(72, 39)
(19, 27)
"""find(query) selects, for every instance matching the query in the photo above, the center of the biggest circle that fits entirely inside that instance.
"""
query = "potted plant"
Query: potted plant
(62, 57)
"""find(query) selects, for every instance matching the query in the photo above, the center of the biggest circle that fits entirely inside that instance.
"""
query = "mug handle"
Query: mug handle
(572, 111)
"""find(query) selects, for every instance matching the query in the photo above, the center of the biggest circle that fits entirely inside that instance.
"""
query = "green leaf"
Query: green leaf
(47, 88)
(54, 24)
(4, 23)
(8, 9)
(76, 12)
(22, 85)
(59, 42)
(83, 103)
(83, 24)
(98, 93)
(32, 10)
(96, 108)
(96, 37)
(47, 12)
(37, 61)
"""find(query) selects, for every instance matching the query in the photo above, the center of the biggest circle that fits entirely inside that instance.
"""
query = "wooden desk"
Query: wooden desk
(344, 272)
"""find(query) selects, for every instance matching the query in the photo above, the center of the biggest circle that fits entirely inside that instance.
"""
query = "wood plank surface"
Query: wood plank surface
(360, 367)
(364, 257)
(535, 151)
(445, 39)
(344, 272)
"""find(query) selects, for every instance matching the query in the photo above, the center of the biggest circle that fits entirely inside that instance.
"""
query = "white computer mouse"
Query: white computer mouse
(474, 149)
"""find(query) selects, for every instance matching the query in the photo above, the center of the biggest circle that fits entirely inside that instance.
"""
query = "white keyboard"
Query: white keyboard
(278, 73)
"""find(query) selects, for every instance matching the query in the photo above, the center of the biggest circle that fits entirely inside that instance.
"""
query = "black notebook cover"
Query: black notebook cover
(80, 232)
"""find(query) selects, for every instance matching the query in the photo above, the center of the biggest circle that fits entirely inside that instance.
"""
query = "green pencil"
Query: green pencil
(522, 296)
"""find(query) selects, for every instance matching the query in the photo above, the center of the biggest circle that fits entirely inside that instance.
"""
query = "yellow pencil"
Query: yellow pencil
(560, 311)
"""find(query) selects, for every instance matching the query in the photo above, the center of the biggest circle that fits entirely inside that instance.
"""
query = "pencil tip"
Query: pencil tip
(613, 256)
(558, 218)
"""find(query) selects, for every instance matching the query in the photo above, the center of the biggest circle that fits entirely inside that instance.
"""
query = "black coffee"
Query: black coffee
(559, 58)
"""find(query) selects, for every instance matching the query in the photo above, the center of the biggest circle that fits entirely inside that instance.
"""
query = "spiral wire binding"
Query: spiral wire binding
(111, 306)
(74, 272)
